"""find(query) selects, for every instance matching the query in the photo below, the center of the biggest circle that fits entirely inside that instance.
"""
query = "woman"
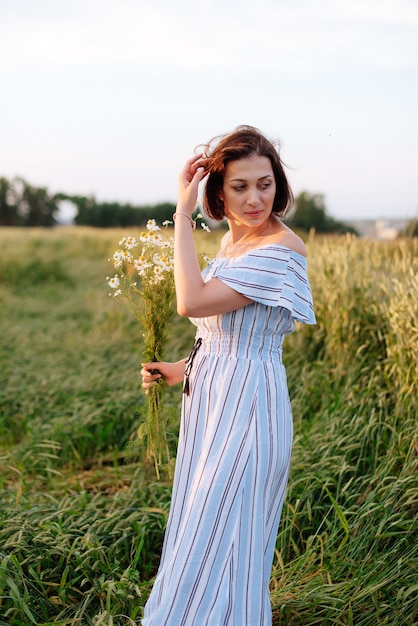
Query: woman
(236, 428)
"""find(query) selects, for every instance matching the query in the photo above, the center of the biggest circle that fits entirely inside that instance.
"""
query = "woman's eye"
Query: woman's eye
(239, 187)
(265, 185)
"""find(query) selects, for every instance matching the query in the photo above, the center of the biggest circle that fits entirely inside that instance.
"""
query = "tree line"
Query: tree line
(310, 212)
(23, 204)
(113, 214)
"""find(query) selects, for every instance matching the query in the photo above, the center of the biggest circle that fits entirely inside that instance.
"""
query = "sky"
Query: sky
(110, 97)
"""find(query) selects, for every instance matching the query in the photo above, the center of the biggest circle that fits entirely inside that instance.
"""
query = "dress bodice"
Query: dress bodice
(275, 279)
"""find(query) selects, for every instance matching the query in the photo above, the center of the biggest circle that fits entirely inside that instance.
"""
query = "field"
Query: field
(81, 521)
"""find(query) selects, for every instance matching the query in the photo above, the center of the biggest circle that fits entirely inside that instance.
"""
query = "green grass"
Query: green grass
(81, 523)
(347, 548)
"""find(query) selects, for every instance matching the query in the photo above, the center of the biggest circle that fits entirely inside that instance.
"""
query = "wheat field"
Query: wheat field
(82, 521)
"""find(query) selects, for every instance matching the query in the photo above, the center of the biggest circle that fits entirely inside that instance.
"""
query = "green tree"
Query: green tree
(83, 204)
(35, 205)
(310, 212)
(22, 204)
(8, 208)
(113, 214)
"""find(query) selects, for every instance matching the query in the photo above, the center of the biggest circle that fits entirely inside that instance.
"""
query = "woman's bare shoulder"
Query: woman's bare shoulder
(286, 237)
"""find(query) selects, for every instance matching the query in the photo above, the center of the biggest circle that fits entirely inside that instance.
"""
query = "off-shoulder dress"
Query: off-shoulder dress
(234, 450)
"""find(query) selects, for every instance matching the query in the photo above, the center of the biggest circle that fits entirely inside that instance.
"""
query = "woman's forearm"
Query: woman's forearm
(195, 297)
(187, 276)
(189, 283)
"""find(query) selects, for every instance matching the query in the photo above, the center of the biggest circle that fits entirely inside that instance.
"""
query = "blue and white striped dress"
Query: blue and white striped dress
(234, 450)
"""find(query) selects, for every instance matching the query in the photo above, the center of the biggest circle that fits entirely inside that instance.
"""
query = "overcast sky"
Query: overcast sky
(109, 97)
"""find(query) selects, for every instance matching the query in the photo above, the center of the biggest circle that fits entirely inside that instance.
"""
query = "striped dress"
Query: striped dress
(234, 450)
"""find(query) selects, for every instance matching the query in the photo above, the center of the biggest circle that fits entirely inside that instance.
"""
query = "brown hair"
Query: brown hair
(244, 141)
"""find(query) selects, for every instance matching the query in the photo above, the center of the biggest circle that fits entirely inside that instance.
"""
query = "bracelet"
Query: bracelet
(193, 223)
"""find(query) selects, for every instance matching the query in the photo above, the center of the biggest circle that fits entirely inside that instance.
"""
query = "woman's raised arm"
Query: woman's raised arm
(195, 298)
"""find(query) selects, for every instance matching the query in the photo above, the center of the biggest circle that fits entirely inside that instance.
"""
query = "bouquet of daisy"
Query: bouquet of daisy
(145, 278)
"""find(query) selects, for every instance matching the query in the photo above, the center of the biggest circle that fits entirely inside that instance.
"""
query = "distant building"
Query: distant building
(383, 230)
(388, 229)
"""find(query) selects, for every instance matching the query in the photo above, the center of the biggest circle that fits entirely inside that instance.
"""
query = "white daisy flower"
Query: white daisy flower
(152, 226)
(130, 242)
(113, 282)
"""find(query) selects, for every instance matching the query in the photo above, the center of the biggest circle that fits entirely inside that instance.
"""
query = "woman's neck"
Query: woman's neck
(241, 234)
(242, 240)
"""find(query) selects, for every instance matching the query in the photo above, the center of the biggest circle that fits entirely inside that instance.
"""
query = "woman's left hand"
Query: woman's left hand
(172, 373)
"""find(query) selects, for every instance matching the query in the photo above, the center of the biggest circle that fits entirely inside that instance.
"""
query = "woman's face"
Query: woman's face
(248, 191)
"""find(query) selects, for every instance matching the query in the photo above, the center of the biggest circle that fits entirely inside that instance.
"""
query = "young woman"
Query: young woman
(236, 427)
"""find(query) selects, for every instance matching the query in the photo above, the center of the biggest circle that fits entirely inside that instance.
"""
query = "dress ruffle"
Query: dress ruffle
(272, 275)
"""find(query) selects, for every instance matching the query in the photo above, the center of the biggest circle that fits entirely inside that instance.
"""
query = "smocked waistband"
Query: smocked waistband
(261, 347)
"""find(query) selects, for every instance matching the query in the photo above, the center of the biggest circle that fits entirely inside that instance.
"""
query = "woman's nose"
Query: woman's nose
(253, 196)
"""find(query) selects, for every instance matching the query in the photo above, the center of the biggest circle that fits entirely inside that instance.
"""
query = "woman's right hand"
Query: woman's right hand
(193, 172)
(172, 373)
